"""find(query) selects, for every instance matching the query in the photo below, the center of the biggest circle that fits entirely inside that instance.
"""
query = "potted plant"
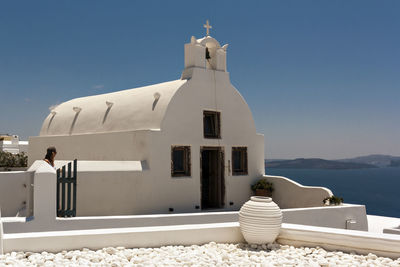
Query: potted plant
(333, 200)
(263, 188)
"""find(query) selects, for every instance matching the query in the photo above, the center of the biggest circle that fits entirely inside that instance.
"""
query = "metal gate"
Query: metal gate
(66, 190)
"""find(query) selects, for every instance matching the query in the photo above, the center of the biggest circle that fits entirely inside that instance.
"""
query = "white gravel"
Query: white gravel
(211, 254)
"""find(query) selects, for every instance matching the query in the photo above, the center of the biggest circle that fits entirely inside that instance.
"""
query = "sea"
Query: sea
(377, 188)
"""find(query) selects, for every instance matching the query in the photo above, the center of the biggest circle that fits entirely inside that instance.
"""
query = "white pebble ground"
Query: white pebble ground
(211, 254)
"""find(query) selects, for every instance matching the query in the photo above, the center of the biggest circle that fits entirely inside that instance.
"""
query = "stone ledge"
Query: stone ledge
(361, 242)
(196, 234)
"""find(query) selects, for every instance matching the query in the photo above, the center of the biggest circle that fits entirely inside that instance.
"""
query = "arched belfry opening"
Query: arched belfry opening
(211, 58)
(205, 53)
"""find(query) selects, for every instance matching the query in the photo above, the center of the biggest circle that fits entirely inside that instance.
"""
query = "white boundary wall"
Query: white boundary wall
(361, 242)
(16, 193)
(290, 194)
(44, 211)
(154, 236)
(382, 224)
(291, 234)
(346, 216)
(333, 216)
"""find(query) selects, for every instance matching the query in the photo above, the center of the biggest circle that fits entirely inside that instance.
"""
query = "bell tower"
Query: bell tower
(205, 53)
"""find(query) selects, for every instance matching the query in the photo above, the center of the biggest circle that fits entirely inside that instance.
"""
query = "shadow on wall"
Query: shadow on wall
(77, 110)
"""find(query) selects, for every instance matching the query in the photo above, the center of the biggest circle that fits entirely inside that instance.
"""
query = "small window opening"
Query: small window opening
(212, 124)
(239, 161)
(180, 161)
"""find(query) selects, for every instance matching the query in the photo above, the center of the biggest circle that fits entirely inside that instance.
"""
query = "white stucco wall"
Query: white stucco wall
(290, 194)
(16, 193)
(383, 224)
(208, 90)
(23, 146)
(346, 216)
(118, 146)
(103, 200)
(44, 197)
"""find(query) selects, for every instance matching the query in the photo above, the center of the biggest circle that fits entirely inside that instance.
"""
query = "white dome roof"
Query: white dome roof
(128, 110)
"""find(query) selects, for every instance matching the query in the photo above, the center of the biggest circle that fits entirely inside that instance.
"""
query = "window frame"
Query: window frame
(216, 118)
(186, 161)
(244, 161)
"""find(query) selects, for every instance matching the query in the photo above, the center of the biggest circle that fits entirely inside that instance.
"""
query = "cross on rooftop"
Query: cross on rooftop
(208, 27)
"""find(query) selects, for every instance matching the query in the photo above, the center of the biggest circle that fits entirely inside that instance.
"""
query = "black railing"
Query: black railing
(66, 190)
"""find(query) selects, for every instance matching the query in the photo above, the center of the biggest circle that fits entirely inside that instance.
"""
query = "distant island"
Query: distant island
(315, 164)
(376, 160)
(364, 162)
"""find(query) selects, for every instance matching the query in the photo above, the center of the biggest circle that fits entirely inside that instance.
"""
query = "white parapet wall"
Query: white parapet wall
(44, 204)
(107, 188)
(332, 216)
(44, 211)
(155, 236)
(385, 245)
(16, 193)
(290, 194)
(346, 216)
(382, 224)
(196, 234)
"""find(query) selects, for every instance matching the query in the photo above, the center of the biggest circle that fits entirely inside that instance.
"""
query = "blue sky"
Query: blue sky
(322, 77)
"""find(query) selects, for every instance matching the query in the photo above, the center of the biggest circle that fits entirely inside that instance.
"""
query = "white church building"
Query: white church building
(184, 147)
(180, 146)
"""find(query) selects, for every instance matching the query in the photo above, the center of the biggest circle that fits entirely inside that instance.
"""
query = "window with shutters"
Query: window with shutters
(239, 161)
(212, 124)
(180, 161)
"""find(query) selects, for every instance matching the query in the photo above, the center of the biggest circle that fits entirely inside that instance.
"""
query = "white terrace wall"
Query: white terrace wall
(128, 190)
(116, 200)
(289, 194)
(16, 193)
(119, 200)
(383, 245)
(346, 216)
(118, 192)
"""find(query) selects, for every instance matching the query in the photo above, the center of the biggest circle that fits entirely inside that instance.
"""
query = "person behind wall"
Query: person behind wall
(50, 155)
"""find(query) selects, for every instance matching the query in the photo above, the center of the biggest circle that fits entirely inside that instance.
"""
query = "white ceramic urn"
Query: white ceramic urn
(260, 220)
